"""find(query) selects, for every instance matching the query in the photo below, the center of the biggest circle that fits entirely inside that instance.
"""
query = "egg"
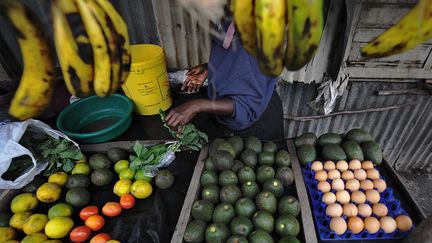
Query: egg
(364, 210)
(329, 198)
(379, 209)
(334, 210)
(388, 224)
(360, 174)
(321, 175)
(371, 224)
(404, 223)
(329, 165)
(354, 164)
(358, 197)
(352, 185)
(342, 197)
(372, 196)
(337, 184)
(347, 175)
(350, 209)
(372, 174)
(333, 174)
(316, 166)
(324, 186)
(366, 185)
(338, 225)
(342, 165)
(380, 185)
(366, 165)
(355, 224)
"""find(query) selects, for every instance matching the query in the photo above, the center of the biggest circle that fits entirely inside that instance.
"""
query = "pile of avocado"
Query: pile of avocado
(242, 197)
(355, 144)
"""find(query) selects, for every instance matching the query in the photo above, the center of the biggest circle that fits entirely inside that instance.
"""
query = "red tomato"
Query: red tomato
(111, 209)
(127, 201)
(88, 211)
(100, 238)
(80, 234)
(95, 222)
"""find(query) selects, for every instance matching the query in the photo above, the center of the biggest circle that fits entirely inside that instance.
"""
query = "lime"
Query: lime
(60, 209)
(141, 189)
(122, 186)
(139, 175)
(81, 168)
(121, 165)
(127, 174)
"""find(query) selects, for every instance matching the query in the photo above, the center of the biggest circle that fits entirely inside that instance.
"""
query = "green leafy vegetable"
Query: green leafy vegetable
(148, 158)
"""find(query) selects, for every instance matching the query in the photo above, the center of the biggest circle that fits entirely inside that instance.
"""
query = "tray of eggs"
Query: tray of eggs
(351, 201)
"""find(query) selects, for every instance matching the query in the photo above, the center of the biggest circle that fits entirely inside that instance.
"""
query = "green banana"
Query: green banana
(244, 19)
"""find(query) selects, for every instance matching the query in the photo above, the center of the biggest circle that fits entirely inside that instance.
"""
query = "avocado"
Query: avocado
(208, 178)
(210, 193)
(223, 213)
(228, 177)
(245, 207)
(230, 194)
(329, 138)
(264, 172)
(274, 186)
(195, 231)
(306, 154)
(249, 158)
(289, 205)
(263, 220)
(237, 165)
(282, 158)
(34, 185)
(217, 233)
(246, 174)
(254, 144)
(270, 146)
(77, 180)
(358, 135)
(4, 219)
(353, 150)
(116, 154)
(164, 179)
(241, 225)
(78, 197)
(223, 160)
(237, 143)
(213, 145)
(333, 152)
(237, 239)
(266, 158)
(288, 239)
(372, 151)
(285, 175)
(101, 177)
(260, 236)
(226, 146)
(209, 164)
(202, 209)
(286, 225)
(250, 189)
(266, 200)
(305, 139)
(99, 161)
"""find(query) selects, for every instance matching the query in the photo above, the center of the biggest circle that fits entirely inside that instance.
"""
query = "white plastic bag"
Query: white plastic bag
(10, 135)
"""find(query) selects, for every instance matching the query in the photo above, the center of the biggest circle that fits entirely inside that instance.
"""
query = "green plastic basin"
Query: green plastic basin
(95, 119)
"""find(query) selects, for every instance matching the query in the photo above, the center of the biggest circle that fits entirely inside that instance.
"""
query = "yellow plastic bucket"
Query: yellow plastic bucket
(147, 84)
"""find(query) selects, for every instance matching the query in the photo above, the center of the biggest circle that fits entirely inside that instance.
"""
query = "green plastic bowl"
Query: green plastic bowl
(95, 119)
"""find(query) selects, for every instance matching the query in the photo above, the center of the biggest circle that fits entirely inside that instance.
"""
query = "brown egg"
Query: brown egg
(404, 223)
(372, 196)
(321, 175)
(360, 174)
(329, 198)
(358, 197)
(366, 165)
(338, 225)
(338, 184)
(371, 224)
(347, 175)
(354, 164)
(329, 165)
(334, 210)
(379, 210)
(343, 197)
(317, 165)
(364, 210)
(355, 224)
(333, 174)
(380, 185)
(350, 209)
(342, 165)
(324, 186)
(388, 224)
(352, 185)
(366, 185)
(372, 174)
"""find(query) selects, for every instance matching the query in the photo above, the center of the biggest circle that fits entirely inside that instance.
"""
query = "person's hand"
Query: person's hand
(181, 115)
(195, 78)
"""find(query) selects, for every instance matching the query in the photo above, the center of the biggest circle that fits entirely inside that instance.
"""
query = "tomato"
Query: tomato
(80, 234)
(127, 201)
(95, 222)
(88, 211)
(100, 238)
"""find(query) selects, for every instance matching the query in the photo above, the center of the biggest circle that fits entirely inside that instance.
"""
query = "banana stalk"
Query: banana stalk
(244, 19)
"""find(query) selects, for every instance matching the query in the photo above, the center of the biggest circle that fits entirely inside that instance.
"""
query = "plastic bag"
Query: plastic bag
(10, 135)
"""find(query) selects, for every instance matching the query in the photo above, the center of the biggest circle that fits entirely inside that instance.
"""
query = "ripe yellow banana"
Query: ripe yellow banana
(73, 48)
(412, 30)
(35, 89)
(244, 19)
(305, 26)
(270, 35)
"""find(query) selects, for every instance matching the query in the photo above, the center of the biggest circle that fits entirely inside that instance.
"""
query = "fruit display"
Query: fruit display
(245, 194)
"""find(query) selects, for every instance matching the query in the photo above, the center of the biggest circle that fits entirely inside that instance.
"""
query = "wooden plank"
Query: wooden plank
(126, 145)
(305, 208)
(192, 194)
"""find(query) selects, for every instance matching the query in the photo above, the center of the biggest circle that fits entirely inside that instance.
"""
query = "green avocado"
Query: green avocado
(245, 207)
(101, 177)
(116, 154)
(274, 186)
(223, 213)
(223, 160)
(358, 135)
(250, 189)
(195, 231)
(77, 180)
(270, 146)
(78, 197)
(266, 200)
(286, 225)
(210, 193)
(285, 175)
(306, 154)
(266, 158)
(208, 178)
(230, 194)
(353, 150)
(329, 138)
(227, 177)
(237, 143)
(263, 220)
(282, 158)
(241, 225)
(246, 174)
(217, 233)
(264, 172)
(237, 165)
(289, 205)
(237, 239)
(202, 209)
(249, 158)
(260, 236)
(99, 161)
(372, 151)
(209, 164)
(333, 152)
(288, 239)
(305, 139)
(253, 143)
